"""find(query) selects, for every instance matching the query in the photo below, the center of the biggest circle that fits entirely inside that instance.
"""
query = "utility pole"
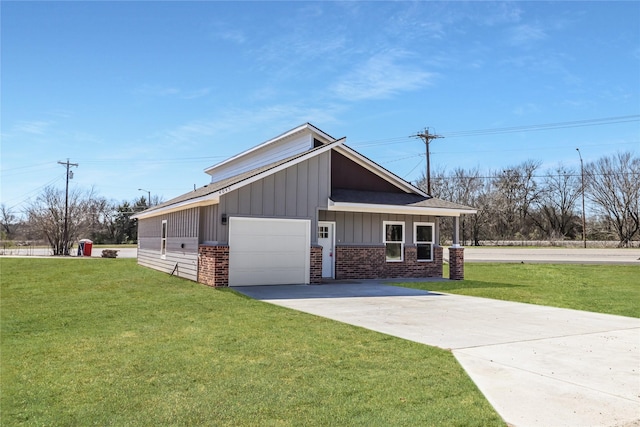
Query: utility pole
(427, 137)
(66, 205)
(584, 223)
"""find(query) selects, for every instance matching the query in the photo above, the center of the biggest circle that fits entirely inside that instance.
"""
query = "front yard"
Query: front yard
(105, 342)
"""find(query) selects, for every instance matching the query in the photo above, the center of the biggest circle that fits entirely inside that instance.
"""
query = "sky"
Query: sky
(146, 95)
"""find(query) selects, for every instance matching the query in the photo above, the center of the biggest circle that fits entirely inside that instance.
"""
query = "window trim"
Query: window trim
(402, 242)
(416, 242)
(164, 232)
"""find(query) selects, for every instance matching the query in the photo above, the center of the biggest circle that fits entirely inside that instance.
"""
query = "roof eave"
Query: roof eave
(209, 199)
(397, 209)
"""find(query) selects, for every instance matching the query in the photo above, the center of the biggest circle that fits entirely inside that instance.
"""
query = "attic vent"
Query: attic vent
(316, 143)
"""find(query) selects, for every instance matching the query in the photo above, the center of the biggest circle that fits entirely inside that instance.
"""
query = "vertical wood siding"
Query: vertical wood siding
(182, 243)
(209, 221)
(295, 192)
(357, 228)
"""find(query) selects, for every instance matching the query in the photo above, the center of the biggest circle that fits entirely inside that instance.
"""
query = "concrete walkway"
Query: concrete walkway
(537, 365)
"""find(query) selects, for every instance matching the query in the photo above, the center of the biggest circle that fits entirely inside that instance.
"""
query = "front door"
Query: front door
(326, 239)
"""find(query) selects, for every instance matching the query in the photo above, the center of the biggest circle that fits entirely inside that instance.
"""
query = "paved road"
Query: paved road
(44, 252)
(538, 366)
(550, 255)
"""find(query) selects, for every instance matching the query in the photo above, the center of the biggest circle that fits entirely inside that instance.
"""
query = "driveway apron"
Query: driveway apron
(537, 365)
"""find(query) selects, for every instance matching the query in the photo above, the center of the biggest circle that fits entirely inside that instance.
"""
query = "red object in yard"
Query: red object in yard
(84, 247)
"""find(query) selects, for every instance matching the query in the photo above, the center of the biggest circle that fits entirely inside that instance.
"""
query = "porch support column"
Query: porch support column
(456, 253)
(456, 231)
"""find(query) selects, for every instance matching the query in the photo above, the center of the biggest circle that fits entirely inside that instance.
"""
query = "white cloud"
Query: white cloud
(35, 127)
(526, 109)
(159, 91)
(235, 36)
(244, 122)
(382, 76)
(525, 34)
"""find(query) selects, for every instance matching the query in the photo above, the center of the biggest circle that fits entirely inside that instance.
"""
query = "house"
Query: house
(297, 209)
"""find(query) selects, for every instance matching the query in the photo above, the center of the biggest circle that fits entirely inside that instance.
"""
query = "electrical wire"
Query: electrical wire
(512, 129)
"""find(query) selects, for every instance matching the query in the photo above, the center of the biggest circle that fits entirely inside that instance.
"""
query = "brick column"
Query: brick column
(213, 265)
(315, 274)
(456, 263)
(437, 258)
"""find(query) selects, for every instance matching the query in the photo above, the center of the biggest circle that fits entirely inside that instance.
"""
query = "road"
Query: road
(25, 251)
(550, 255)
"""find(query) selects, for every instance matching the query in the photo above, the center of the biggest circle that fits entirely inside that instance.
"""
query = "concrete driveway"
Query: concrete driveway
(537, 365)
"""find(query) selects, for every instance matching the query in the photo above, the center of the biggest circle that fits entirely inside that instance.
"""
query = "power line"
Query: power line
(512, 129)
(546, 126)
(550, 175)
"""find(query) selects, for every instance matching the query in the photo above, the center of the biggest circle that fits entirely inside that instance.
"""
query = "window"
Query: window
(163, 239)
(393, 236)
(323, 232)
(423, 238)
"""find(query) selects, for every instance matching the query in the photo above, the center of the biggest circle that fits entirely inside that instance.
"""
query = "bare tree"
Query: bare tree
(46, 215)
(7, 221)
(555, 214)
(466, 187)
(613, 185)
(515, 192)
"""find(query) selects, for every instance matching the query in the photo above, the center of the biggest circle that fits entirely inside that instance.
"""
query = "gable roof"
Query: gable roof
(307, 128)
(413, 200)
(210, 193)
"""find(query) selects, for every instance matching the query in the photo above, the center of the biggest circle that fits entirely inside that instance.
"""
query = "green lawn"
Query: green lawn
(612, 289)
(105, 342)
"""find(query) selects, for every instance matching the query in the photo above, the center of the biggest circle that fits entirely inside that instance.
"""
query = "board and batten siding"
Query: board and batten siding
(360, 228)
(209, 220)
(182, 243)
(295, 192)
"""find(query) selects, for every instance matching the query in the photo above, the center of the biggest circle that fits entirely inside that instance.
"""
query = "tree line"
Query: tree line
(521, 202)
(88, 216)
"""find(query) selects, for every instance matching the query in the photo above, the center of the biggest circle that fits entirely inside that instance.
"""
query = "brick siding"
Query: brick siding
(456, 263)
(315, 275)
(213, 265)
(369, 262)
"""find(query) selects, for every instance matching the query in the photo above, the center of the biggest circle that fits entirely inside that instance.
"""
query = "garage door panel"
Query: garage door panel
(275, 277)
(275, 260)
(268, 251)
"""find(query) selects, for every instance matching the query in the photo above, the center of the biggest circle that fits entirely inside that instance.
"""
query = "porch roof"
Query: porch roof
(400, 203)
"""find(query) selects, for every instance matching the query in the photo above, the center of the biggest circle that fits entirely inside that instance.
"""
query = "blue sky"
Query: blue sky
(149, 94)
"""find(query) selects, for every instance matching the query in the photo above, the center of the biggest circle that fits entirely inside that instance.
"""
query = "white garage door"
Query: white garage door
(268, 251)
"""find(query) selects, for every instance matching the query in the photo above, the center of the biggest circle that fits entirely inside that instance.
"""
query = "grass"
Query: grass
(109, 343)
(611, 289)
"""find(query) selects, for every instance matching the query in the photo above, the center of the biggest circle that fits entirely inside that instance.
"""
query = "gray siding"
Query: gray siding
(187, 262)
(357, 228)
(295, 192)
(182, 243)
(209, 220)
